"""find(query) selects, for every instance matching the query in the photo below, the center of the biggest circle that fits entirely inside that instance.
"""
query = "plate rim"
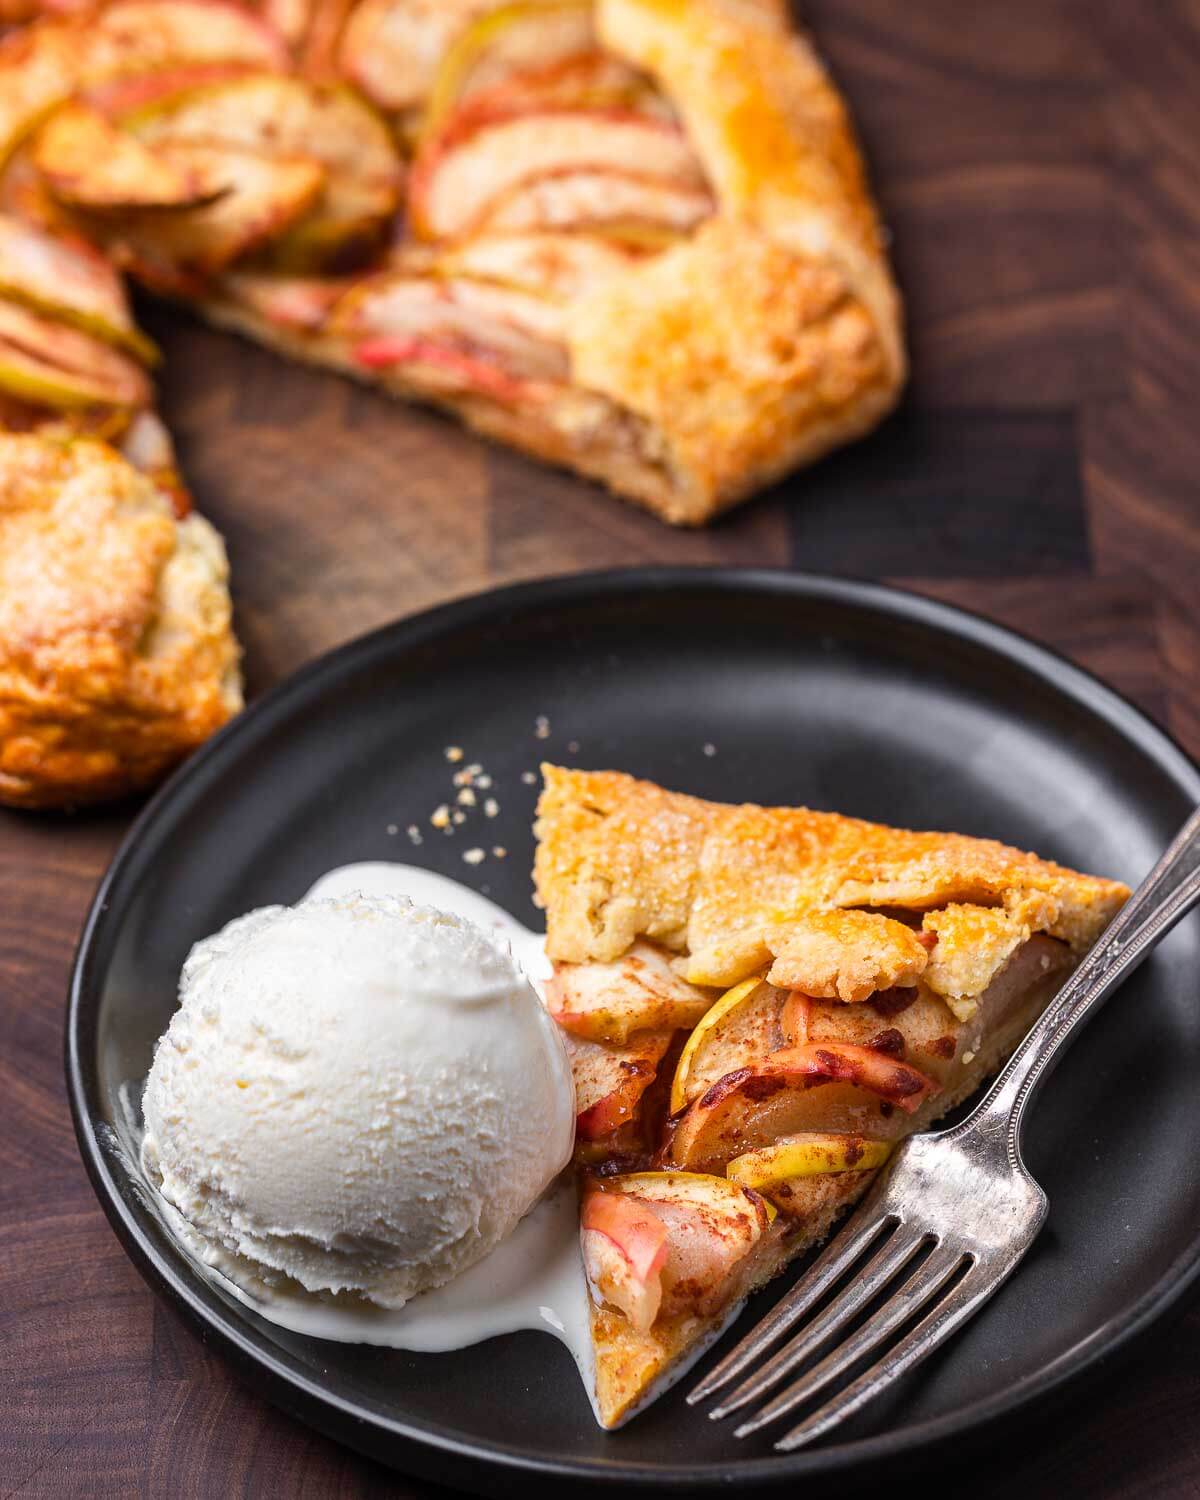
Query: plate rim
(475, 1461)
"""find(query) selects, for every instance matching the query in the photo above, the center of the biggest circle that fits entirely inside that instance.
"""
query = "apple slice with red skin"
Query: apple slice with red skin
(876, 1068)
(264, 197)
(140, 35)
(549, 264)
(295, 117)
(830, 1087)
(599, 200)
(437, 369)
(516, 38)
(713, 1227)
(608, 1002)
(610, 1081)
(69, 283)
(594, 81)
(520, 333)
(391, 49)
(741, 1029)
(295, 302)
(478, 160)
(46, 63)
(124, 98)
(930, 1031)
(624, 1245)
(55, 365)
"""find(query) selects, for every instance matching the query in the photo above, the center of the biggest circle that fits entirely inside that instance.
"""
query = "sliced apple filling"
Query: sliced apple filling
(796, 1097)
(669, 1243)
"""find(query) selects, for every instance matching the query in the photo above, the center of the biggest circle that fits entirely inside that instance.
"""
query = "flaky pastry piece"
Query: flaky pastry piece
(117, 655)
(759, 1003)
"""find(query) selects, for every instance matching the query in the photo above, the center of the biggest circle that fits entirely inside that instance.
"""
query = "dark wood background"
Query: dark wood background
(1037, 162)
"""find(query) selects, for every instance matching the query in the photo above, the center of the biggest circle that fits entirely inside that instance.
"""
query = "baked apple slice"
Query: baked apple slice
(610, 1081)
(396, 319)
(809, 1153)
(478, 159)
(637, 992)
(856, 1090)
(45, 64)
(299, 303)
(69, 283)
(122, 98)
(391, 49)
(291, 117)
(131, 36)
(713, 1226)
(595, 81)
(548, 264)
(89, 164)
(629, 209)
(263, 197)
(624, 1246)
(740, 1030)
(528, 35)
(55, 365)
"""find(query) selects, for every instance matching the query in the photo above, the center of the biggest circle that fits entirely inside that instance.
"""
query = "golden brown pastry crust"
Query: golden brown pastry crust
(774, 333)
(619, 858)
(116, 650)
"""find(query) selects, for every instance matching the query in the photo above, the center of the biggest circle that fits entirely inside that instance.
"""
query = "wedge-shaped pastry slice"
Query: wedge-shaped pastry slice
(852, 1029)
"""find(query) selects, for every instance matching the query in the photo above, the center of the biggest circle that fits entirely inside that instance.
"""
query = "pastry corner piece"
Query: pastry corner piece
(117, 654)
(759, 1003)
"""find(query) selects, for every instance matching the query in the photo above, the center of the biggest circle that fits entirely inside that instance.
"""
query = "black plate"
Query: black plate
(835, 694)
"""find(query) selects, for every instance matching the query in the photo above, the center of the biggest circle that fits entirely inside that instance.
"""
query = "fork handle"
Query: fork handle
(1170, 890)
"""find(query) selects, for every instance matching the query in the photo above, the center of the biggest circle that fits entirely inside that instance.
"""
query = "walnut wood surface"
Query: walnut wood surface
(1037, 164)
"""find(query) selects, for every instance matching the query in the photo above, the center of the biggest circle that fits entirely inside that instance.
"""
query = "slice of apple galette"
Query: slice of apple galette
(759, 1002)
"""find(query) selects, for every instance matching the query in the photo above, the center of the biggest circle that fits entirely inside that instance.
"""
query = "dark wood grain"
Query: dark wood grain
(1037, 164)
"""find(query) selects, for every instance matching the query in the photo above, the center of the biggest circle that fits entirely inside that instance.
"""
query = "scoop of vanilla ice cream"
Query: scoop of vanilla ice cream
(358, 1093)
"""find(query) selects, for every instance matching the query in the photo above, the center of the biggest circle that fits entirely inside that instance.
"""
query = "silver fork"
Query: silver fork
(962, 1198)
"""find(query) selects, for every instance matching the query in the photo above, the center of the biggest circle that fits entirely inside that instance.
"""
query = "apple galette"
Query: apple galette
(759, 1002)
(633, 237)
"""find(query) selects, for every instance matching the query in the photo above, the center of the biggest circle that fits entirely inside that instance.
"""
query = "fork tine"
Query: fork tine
(938, 1324)
(888, 1261)
(830, 1265)
(925, 1282)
